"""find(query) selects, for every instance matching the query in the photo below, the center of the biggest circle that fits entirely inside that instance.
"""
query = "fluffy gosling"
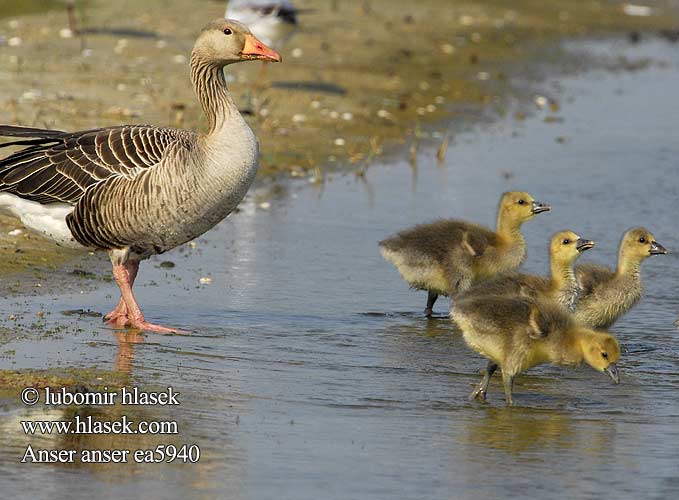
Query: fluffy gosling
(447, 256)
(606, 294)
(565, 247)
(518, 333)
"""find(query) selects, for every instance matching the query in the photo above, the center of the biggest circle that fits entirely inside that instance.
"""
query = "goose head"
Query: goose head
(566, 246)
(601, 351)
(519, 207)
(639, 243)
(227, 41)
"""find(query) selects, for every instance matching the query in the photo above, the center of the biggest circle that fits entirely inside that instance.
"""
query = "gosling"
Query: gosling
(447, 256)
(565, 247)
(517, 333)
(607, 294)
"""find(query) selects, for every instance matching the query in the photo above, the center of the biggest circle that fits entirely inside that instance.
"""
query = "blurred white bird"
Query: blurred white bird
(273, 21)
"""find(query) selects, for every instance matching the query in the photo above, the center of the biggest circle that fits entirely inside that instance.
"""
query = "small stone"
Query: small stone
(447, 48)
(65, 33)
(299, 118)
(297, 53)
(347, 116)
(166, 264)
(15, 232)
(15, 41)
(161, 44)
(265, 205)
(179, 59)
(205, 280)
(540, 101)
(339, 142)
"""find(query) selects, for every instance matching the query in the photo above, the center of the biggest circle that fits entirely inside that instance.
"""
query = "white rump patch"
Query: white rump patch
(48, 220)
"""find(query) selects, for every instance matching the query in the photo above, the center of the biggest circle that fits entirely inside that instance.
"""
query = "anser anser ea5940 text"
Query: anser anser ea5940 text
(137, 191)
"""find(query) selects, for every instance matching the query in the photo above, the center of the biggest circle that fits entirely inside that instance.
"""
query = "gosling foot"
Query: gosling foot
(479, 394)
(428, 312)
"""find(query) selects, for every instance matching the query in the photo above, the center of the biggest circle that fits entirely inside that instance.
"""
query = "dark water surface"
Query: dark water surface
(312, 373)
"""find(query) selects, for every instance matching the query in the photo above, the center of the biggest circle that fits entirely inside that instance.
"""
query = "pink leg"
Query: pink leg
(134, 314)
(118, 317)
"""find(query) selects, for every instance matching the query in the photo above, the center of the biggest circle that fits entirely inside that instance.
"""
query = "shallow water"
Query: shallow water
(312, 373)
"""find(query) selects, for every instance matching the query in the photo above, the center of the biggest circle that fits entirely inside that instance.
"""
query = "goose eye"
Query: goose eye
(604, 355)
(566, 241)
(227, 31)
(642, 240)
(522, 202)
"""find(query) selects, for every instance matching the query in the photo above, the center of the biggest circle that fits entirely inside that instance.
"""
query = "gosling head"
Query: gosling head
(226, 41)
(566, 246)
(602, 351)
(519, 207)
(638, 244)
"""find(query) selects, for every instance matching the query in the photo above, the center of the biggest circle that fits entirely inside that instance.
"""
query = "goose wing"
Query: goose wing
(58, 167)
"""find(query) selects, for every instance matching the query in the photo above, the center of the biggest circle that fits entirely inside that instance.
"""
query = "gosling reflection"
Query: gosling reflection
(521, 430)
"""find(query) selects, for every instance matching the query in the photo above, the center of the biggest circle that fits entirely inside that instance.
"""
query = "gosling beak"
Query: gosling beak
(538, 207)
(657, 249)
(583, 245)
(254, 49)
(612, 371)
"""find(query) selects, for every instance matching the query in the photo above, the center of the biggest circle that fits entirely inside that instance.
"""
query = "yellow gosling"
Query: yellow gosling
(606, 294)
(447, 256)
(565, 247)
(517, 333)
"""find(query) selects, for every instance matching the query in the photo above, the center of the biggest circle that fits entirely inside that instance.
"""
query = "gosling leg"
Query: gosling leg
(481, 390)
(431, 300)
(508, 381)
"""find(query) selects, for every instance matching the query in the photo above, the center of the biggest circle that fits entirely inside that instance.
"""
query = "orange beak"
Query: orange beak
(254, 49)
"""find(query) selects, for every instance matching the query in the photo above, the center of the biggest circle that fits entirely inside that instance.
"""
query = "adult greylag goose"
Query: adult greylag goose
(562, 286)
(606, 294)
(447, 256)
(138, 190)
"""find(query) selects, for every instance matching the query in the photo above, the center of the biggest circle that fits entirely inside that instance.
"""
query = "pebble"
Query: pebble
(334, 115)
(339, 142)
(65, 33)
(161, 44)
(383, 113)
(265, 205)
(347, 116)
(297, 53)
(15, 41)
(447, 48)
(299, 118)
(179, 59)
(15, 232)
(540, 101)
(483, 75)
(315, 104)
(205, 280)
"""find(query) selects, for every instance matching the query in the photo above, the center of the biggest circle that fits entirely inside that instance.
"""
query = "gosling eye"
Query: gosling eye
(227, 31)
(521, 202)
(642, 240)
(566, 241)
(604, 355)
